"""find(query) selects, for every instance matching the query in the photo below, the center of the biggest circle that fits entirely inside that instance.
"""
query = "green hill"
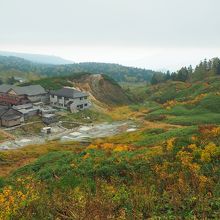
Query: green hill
(205, 69)
(16, 66)
(185, 103)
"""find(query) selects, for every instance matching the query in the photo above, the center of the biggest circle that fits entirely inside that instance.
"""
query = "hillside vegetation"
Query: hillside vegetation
(17, 67)
(186, 103)
(117, 72)
(168, 168)
(204, 69)
(178, 179)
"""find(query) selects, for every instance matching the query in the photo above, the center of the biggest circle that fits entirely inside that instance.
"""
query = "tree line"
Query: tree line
(204, 69)
(118, 72)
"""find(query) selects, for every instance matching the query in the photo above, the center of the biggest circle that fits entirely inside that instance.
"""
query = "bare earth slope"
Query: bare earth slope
(102, 89)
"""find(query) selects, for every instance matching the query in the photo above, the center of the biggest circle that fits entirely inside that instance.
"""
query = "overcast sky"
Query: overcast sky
(157, 34)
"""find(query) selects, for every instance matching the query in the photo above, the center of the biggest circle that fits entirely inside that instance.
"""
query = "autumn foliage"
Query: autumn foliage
(178, 179)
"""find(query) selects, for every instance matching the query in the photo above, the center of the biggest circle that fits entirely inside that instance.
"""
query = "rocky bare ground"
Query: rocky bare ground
(83, 133)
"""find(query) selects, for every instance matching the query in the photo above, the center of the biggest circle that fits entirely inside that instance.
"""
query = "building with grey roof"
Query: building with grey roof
(35, 93)
(69, 98)
(10, 117)
(69, 93)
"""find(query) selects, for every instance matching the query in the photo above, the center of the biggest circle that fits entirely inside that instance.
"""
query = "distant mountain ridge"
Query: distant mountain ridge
(11, 64)
(38, 58)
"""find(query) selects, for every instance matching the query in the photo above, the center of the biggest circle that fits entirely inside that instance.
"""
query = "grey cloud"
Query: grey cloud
(111, 22)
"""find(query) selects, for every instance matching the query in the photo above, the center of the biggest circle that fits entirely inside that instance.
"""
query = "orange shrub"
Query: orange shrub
(11, 200)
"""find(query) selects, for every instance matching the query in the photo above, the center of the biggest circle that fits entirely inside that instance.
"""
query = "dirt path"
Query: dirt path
(7, 136)
(163, 125)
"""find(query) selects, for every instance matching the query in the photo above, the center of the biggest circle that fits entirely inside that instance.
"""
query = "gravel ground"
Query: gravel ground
(82, 134)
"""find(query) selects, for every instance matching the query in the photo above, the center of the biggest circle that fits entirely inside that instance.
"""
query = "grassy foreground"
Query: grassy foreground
(176, 179)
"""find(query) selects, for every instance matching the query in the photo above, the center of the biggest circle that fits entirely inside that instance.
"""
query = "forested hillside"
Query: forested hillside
(204, 69)
(19, 66)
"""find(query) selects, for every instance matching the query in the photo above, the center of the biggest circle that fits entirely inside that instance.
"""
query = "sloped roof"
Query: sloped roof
(69, 93)
(23, 106)
(4, 88)
(11, 114)
(24, 90)
(3, 109)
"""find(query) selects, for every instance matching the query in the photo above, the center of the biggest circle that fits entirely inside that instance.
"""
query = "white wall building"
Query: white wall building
(69, 98)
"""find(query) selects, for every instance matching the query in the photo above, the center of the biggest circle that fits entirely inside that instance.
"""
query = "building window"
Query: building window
(80, 106)
(86, 104)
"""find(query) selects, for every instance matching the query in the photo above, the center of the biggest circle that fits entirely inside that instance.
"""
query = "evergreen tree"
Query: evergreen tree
(183, 74)
(174, 76)
(11, 80)
(157, 78)
(216, 66)
(167, 76)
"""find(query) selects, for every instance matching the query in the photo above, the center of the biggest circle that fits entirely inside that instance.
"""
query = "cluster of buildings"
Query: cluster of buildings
(20, 103)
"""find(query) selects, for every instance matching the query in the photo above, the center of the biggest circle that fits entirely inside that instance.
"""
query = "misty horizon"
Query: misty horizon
(144, 33)
(69, 60)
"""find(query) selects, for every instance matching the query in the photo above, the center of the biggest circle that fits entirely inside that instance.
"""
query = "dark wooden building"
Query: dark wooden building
(15, 95)
(10, 117)
(10, 100)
